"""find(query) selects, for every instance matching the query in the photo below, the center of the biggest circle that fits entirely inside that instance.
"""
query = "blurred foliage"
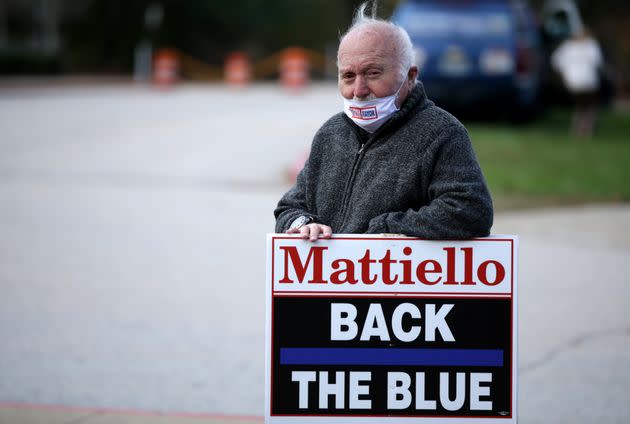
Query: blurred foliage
(105, 35)
(101, 35)
(542, 163)
(16, 62)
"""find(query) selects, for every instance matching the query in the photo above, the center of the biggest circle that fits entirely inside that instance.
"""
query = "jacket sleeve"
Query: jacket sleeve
(459, 204)
(293, 203)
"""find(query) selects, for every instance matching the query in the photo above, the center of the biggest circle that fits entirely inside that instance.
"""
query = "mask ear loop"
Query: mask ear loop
(400, 88)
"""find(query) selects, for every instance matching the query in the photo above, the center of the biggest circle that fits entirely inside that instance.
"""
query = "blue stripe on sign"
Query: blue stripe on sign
(391, 356)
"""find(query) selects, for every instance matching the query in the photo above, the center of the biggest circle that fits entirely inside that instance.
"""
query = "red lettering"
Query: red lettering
(348, 271)
(450, 266)
(406, 263)
(290, 252)
(468, 266)
(482, 273)
(365, 262)
(428, 272)
(386, 262)
(422, 271)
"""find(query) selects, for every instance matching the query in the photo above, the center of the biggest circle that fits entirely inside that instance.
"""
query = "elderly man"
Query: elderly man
(392, 162)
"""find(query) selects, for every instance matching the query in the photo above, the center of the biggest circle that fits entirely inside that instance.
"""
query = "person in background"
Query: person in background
(579, 60)
(391, 162)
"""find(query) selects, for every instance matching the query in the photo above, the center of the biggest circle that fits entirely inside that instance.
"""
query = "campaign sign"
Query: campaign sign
(379, 329)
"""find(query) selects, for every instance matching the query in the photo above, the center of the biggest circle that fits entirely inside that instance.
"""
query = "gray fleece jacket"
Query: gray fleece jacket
(416, 175)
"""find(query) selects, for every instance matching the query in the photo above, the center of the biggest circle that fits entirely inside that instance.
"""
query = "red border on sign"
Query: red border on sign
(410, 294)
(381, 295)
(307, 294)
(273, 286)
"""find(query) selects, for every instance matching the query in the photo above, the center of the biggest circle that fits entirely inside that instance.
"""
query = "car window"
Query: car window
(437, 23)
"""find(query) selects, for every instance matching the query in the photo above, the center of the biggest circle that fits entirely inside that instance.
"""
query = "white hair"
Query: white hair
(405, 51)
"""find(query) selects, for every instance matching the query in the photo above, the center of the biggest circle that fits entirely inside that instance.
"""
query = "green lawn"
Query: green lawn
(540, 163)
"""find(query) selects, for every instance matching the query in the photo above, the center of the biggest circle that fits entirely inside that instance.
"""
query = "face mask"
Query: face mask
(371, 114)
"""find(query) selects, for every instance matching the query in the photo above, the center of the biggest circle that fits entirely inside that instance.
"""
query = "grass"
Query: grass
(541, 164)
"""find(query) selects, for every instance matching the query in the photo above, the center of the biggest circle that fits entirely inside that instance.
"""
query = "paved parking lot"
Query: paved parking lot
(132, 261)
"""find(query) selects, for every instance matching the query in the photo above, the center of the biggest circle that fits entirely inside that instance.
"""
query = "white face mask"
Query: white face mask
(371, 114)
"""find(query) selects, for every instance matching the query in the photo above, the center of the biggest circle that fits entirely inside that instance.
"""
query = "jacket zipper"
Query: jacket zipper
(346, 195)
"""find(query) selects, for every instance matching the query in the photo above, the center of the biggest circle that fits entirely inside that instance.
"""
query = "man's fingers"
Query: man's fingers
(305, 231)
(312, 231)
(315, 230)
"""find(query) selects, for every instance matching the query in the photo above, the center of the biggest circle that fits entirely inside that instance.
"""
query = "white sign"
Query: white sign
(367, 329)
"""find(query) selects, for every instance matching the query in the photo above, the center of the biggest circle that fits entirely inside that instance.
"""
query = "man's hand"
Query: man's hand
(312, 231)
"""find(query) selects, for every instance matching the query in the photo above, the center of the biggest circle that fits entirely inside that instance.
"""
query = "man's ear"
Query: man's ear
(412, 75)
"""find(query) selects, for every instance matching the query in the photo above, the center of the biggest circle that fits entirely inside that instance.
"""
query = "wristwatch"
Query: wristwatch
(301, 221)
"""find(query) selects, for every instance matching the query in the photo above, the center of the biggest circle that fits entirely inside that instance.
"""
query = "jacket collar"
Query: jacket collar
(416, 100)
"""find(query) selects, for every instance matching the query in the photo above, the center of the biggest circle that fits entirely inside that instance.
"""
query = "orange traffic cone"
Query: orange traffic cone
(165, 68)
(294, 68)
(237, 69)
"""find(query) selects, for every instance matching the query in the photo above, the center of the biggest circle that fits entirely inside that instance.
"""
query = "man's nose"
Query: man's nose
(361, 88)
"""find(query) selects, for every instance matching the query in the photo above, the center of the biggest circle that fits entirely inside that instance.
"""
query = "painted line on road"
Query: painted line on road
(132, 412)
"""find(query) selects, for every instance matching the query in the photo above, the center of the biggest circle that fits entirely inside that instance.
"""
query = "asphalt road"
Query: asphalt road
(132, 231)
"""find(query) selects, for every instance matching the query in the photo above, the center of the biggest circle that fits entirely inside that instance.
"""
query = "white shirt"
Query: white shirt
(578, 60)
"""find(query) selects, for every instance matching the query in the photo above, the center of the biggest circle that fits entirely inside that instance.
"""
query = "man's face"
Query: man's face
(368, 66)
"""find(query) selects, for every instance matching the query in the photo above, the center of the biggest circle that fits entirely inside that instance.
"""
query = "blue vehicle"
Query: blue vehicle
(476, 55)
